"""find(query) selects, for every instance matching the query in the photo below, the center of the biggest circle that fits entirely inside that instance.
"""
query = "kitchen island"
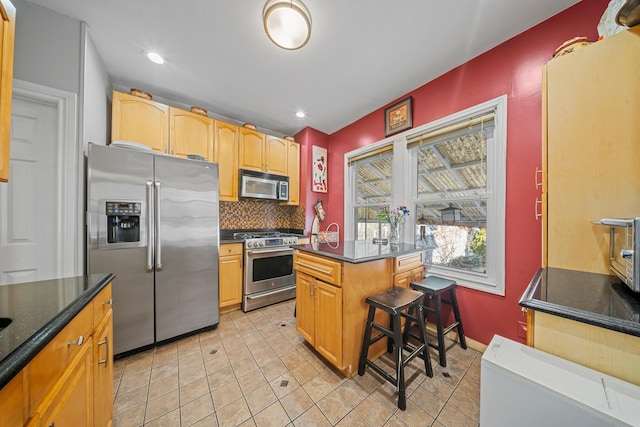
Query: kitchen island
(332, 282)
(56, 352)
(587, 318)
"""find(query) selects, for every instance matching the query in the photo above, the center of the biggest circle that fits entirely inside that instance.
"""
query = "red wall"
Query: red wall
(513, 68)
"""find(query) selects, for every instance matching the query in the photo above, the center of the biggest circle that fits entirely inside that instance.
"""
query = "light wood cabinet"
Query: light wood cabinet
(140, 120)
(604, 350)
(230, 276)
(407, 269)
(276, 153)
(331, 311)
(293, 172)
(319, 316)
(251, 151)
(13, 402)
(591, 103)
(102, 361)
(262, 153)
(70, 382)
(71, 403)
(226, 155)
(190, 133)
(7, 33)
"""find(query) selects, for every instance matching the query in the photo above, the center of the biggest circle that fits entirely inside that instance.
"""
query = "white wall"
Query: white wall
(47, 47)
(96, 109)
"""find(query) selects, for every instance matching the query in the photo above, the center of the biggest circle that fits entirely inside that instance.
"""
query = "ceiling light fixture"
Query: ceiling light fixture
(155, 58)
(287, 23)
(300, 114)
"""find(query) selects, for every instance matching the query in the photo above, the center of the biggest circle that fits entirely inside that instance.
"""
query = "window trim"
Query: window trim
(405, 192)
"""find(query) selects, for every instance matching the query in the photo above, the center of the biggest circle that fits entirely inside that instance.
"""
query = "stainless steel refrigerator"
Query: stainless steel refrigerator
(152, 220)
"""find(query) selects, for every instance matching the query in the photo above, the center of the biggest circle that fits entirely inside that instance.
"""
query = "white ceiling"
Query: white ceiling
(362, 55)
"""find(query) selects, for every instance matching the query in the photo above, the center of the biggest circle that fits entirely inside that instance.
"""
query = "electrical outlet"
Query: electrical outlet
(522, 329)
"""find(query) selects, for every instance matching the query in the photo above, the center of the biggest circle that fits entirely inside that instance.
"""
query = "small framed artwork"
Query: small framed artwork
(398, 117)
(319, 183)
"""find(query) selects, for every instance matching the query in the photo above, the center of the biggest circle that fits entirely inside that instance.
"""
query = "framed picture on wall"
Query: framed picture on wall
(319, 171)
(398, 117)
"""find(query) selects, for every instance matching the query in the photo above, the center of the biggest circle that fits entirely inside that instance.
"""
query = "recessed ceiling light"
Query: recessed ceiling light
(300, 114)
(155, 58)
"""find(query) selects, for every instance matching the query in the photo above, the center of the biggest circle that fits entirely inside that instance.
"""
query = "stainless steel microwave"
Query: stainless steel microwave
(266, 186)
(624, 255)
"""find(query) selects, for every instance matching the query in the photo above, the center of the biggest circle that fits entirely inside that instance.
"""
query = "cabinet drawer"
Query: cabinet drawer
(101, 304)
(231, 249)
(322, 268)
(47, 367)
(407, 262)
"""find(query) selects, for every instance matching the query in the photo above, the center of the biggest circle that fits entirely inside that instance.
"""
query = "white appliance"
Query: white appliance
(522, 386)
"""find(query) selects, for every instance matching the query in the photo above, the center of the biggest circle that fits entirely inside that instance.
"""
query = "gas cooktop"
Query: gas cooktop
(260, 234)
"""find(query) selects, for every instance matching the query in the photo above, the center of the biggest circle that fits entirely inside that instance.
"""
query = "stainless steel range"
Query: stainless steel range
(268, 268)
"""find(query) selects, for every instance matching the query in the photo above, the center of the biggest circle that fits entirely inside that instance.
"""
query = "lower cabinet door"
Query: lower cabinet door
(103, 373)
(305, 307)
(70, 403)
(328, 324)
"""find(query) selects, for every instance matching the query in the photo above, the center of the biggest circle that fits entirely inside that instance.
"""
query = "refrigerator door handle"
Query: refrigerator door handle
(149, 233)
(157, 225)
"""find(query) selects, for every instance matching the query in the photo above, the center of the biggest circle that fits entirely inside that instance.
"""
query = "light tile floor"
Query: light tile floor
(255, 370)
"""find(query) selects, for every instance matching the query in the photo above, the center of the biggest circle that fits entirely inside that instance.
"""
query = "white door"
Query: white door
(29, 205)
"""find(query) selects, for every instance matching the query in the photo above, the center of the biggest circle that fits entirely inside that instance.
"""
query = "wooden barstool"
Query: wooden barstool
(433, 287)
(394, 301)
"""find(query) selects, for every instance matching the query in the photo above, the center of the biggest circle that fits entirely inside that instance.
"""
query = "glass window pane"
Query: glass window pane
(459, 244)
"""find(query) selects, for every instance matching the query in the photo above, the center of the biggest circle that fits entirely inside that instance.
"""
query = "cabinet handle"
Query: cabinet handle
(106, 357)
(537, 214)
(79, 341)
(110, 302)
(315, 296)
(538, 174)
(312, 267)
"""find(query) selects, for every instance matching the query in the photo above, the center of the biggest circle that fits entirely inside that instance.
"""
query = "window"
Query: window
(372, 179)
(451, 173)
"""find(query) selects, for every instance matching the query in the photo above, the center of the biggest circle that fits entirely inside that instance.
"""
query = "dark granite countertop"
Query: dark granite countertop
(596, 299)
(39, 311)
(357, 251)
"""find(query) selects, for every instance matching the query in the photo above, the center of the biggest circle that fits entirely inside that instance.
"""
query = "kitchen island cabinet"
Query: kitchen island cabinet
(587, 318)
(55, 360)
(331, 287)
(7, 33)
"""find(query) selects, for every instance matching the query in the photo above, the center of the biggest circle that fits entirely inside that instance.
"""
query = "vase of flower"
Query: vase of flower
(394, 216)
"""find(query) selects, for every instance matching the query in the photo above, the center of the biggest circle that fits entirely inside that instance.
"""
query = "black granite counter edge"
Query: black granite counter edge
(595, 319)
(23, 354)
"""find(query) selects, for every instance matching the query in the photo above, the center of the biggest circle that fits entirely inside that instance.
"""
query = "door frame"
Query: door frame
(70, 229)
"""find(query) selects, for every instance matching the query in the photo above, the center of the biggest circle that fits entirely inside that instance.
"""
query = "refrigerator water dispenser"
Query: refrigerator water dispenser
(123, 222)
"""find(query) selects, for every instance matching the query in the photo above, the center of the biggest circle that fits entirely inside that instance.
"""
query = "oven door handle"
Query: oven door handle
(281, 250)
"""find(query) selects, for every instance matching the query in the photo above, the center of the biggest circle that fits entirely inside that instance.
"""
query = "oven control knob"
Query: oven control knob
(260, 243)
(249, 244)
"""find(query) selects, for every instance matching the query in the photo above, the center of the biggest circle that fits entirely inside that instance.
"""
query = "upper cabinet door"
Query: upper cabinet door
(293, 171)
(226, 155)
(7, 31)
(140, 120)
(251, 149)
(190, 133)
(276, 155)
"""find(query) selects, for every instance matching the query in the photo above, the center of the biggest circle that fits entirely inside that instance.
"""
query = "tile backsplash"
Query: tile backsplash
(254, 214)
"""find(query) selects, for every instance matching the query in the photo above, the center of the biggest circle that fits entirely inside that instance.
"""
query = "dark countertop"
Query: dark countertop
(596, 299)
(40, 310)
(357, 251)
